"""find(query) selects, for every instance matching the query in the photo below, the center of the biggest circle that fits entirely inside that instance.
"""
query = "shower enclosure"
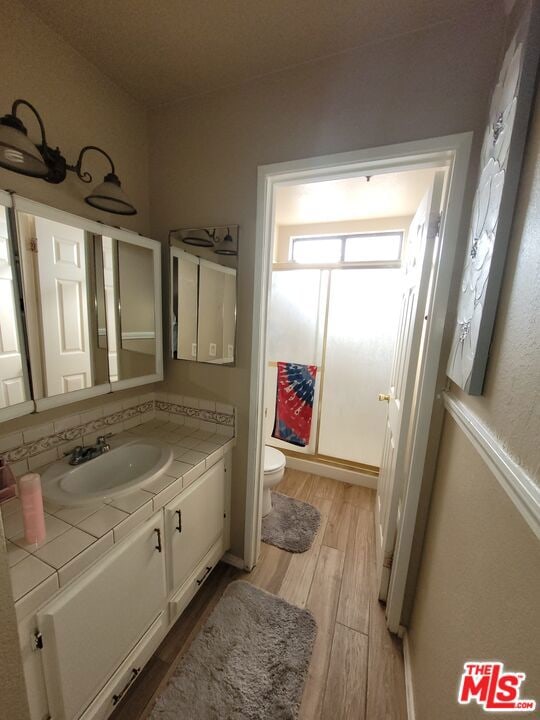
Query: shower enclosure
(343, 320)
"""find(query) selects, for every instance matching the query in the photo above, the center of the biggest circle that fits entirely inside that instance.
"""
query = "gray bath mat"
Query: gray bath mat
(291, 524)
(249, 661)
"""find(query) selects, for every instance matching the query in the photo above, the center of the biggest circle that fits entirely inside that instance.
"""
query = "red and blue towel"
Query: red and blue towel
(294, 403)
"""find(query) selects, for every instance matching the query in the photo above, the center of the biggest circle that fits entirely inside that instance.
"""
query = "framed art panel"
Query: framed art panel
(494, 201)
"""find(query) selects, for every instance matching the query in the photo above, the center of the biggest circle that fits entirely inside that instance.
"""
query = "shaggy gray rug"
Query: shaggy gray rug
(291, 524)
(249, 661)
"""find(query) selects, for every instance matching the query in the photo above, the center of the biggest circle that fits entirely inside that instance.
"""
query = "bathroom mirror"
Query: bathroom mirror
(93, 302)
(15, 398)
(136, 270)
(203, 289)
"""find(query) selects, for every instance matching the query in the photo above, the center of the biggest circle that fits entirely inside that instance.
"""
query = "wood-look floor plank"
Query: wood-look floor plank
(342, 517)
(299, 576)
(361, 497)
(307, 487)
(345, 694)
(270, 569)
(325, 488)
(292, 483)
(322, 602)
(357, 587)
(386, 674)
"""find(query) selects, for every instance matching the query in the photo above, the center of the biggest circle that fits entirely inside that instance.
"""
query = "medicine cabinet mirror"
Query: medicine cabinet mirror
(203, 290)
(92, 295)
(15, 397)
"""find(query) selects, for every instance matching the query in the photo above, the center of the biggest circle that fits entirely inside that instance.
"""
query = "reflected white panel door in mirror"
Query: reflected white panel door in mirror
(64, 307)
(12, 381)
(185, 285)
(214, 339)
(111, 303)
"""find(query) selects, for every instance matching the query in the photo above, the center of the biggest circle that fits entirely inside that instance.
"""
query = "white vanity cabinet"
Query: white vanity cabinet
(84, 648)
(88, 629)
(194, 522)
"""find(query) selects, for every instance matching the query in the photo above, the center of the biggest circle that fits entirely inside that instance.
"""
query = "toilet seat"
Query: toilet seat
(274, 459)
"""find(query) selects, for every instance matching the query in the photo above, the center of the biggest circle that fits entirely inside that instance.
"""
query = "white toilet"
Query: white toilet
(274, 467)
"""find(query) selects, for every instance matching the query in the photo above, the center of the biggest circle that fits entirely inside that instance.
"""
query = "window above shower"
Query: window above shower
(352, 248)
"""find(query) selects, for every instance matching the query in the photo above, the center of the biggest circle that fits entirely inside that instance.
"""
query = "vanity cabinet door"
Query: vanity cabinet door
(193, 523)
(92, 625)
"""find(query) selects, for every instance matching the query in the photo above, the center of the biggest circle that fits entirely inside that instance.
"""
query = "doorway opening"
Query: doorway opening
(337, 256)
(357, 301)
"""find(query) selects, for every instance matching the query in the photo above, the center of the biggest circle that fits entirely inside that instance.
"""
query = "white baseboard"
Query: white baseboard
(409, 693)
(233, 560)
(331, 471)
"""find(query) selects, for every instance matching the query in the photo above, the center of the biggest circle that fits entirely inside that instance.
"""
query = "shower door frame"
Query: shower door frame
(452, 151)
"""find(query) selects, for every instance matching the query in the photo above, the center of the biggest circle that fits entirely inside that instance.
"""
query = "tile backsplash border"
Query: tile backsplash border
(211, 416)
(32, 451)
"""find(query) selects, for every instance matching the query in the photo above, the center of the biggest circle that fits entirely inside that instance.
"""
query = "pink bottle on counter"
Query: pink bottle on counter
(29, 490)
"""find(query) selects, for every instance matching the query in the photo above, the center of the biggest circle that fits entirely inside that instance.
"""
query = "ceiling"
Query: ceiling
(166, 50)
(388, 195)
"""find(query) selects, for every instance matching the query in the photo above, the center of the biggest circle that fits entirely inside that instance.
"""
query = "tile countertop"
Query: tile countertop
(77, 536)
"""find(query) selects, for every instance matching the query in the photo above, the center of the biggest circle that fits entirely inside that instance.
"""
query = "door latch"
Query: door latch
(37, 641)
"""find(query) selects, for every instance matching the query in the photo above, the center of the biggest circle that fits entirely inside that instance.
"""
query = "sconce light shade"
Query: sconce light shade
(17, 152)
(110, 197)
(227, 246)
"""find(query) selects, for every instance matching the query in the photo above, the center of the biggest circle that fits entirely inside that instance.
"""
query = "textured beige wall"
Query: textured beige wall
(79, 107)
(479, 585)
(205, 153)
(479, 582)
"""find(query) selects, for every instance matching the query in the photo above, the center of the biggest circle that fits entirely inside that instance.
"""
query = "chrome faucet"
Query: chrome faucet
(80, 454)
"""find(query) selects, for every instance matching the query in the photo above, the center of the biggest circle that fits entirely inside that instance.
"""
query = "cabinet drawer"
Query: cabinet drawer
(189, 589)
(94, 623)
(193, 523)
(115, 690)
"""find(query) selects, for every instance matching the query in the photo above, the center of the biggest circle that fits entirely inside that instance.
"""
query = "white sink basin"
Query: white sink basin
(117, 472)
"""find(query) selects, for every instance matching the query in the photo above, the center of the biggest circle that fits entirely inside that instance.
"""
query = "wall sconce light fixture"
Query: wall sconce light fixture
(19, 154)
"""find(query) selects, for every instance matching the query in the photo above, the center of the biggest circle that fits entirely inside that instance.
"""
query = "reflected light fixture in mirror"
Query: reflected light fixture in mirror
(19, 154)
(205, 238)
(227, 246)
(222, 240)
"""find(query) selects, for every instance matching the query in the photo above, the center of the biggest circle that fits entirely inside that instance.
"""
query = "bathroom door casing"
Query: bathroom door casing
(400, 396)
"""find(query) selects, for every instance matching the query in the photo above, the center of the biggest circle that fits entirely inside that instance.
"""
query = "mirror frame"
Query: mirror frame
(28, 406)
(155, 246)
(31, 207)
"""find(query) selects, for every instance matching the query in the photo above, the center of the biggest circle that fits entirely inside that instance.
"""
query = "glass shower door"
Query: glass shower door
(361, 332)
(295, 334)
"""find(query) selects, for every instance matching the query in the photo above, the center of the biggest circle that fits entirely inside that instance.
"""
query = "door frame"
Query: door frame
(452, 151)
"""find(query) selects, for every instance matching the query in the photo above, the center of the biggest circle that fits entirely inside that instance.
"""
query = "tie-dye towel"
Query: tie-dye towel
(294, 402)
